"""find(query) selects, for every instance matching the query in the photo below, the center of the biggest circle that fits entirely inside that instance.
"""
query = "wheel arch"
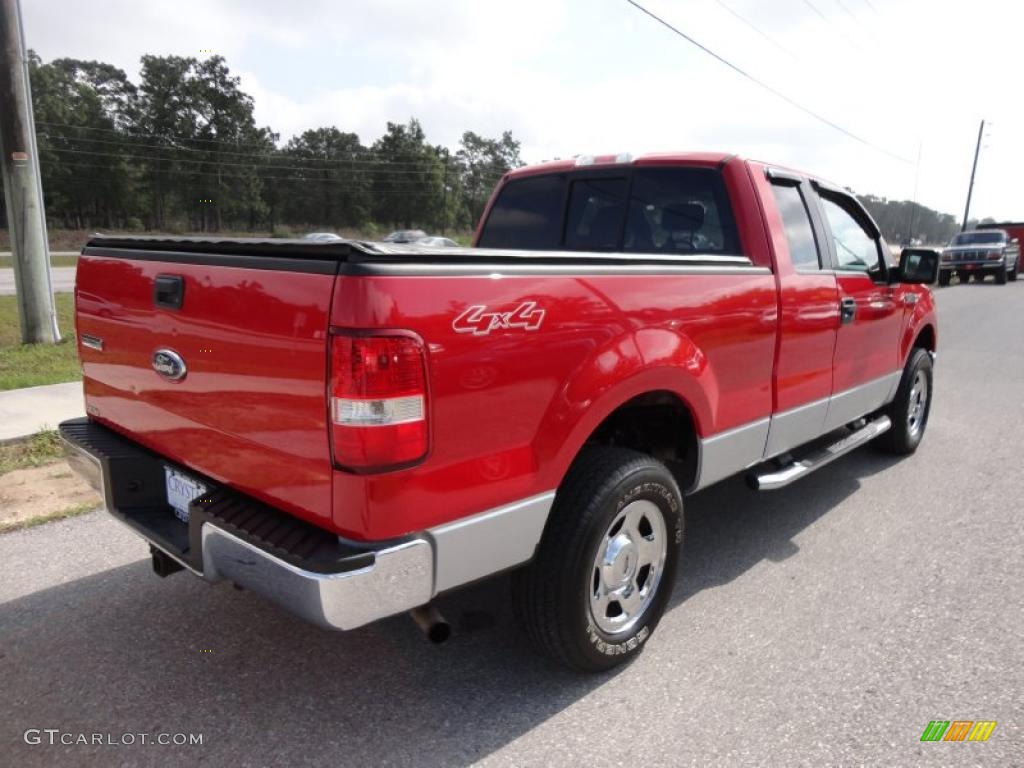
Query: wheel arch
(655, 421)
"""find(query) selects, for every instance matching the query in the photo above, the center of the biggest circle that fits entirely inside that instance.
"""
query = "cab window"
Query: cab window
(856, 249)
(796, 221)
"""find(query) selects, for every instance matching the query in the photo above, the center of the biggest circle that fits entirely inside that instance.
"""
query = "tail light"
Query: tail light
(378, 401)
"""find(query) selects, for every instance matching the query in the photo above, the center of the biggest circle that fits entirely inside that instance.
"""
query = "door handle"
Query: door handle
(847, 310)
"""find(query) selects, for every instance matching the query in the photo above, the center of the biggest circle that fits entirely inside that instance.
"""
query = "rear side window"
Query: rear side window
(596, 210)
(679, 210)
(527, 215)
(803, 249)
(646, 210)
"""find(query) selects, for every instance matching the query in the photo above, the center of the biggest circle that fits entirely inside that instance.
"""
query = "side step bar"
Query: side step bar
(774, 478)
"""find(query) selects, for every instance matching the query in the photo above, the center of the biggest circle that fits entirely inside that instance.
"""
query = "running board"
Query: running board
(780, 478)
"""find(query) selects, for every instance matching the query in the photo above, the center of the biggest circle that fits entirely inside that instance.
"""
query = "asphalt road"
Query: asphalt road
(822, 624)
(63, 280)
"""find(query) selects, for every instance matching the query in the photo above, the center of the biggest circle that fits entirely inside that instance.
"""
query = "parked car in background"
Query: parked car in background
(981, 252)
(437, 242)
(405, 236)
(324, 237)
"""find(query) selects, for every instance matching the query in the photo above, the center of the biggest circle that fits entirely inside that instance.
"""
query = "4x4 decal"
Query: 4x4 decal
(479, 321)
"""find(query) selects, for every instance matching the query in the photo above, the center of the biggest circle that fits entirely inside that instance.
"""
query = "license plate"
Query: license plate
(181, 490)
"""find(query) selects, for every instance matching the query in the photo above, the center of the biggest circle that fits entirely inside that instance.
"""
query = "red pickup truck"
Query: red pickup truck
(350, 429)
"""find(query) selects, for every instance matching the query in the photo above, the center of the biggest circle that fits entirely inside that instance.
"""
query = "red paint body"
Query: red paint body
(507, 411)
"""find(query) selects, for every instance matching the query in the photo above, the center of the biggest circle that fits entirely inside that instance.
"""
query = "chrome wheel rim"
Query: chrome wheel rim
(918, 404)
(627, 567)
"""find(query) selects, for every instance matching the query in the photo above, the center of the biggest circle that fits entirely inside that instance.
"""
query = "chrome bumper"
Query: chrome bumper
(349, 591)
(399, 580)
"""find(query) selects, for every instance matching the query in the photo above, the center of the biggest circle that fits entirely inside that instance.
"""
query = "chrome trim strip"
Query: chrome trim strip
(399, 579)
(728, 452)
(469, 549)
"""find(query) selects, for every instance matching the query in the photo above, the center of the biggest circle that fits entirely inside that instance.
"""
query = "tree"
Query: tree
(408, 177)
(331, 181)
(482, 162)
(80, 108)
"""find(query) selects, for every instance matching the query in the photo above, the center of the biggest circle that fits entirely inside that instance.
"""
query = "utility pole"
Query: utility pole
(22, 188)
(970, 189)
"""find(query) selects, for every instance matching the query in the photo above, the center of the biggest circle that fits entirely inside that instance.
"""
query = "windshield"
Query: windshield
(978, 238)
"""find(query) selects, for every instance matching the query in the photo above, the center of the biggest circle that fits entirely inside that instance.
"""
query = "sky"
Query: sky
(911, 79)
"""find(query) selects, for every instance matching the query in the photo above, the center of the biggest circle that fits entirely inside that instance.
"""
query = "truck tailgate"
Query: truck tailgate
(250, 411)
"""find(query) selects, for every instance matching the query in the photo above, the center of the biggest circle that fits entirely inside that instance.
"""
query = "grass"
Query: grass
(29, 365)
(39, 449)
(55, 261)
(49, 517)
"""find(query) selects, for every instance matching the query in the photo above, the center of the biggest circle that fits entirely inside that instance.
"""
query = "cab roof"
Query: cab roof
(709, 159)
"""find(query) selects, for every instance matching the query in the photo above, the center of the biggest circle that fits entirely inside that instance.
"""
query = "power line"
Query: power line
(488, 179)
(769, 88)
(758, 30)
(282, 154)
(380, 170)
(853, 43)
(129, 134)
(849, 13)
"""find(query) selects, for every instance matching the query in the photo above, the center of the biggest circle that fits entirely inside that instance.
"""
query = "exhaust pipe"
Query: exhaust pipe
(433, 624)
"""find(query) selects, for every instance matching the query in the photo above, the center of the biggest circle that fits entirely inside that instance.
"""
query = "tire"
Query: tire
(965, 278)
(944, 277)
(1012, 274)
(611, 499)
(910, 408)
(1001, 276)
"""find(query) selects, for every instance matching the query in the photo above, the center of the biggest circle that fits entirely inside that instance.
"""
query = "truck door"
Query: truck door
(808, 313)
(865, 367)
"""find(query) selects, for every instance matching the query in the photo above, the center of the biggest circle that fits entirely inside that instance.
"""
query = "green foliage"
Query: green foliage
(41, 448)
(181, 152)
(29, 365)
(902, 221)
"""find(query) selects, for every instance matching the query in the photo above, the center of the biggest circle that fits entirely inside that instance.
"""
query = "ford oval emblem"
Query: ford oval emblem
(169, 364)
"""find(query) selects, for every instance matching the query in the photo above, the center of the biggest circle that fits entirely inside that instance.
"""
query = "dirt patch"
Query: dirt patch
(33, 495)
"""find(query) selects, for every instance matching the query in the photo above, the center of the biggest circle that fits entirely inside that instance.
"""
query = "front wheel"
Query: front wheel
(606, 564)
(944, 277)
(909, 410)
(1012, 274)
(1001, 276)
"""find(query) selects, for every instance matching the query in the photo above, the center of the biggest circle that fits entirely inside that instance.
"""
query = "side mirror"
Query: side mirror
(918, 265)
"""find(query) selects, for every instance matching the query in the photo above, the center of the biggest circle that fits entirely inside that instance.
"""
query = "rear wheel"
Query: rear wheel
(605, 566)
(909, 410)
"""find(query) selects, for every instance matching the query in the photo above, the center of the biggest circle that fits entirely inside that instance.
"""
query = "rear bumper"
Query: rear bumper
(327, 580)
